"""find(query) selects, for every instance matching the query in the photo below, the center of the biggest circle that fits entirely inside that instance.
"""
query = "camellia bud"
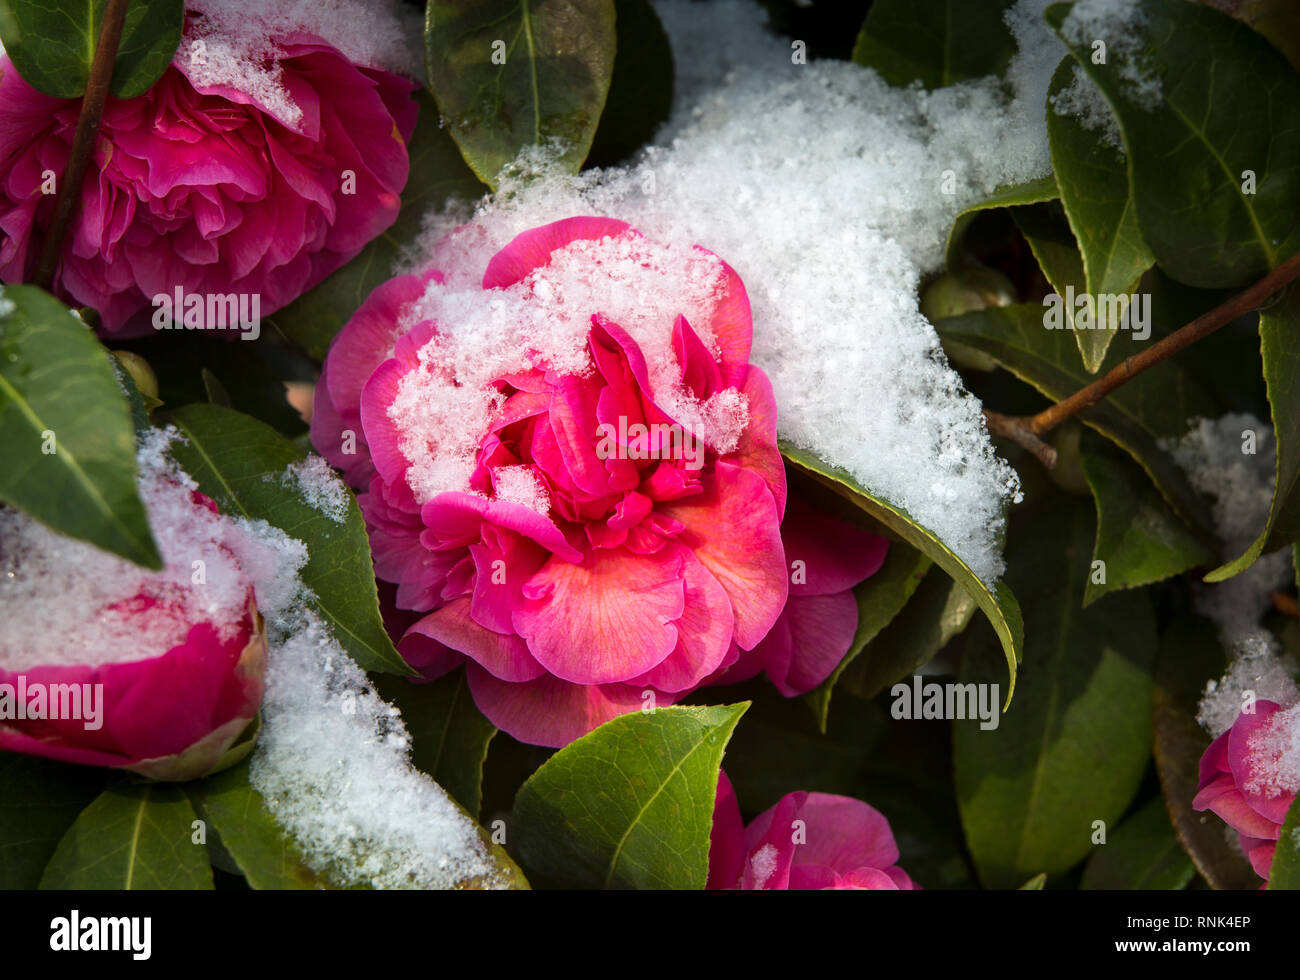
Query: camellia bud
(965, 291)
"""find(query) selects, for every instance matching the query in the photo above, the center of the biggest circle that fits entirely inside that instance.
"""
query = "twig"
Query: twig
(1024, 428)
(1286, 605)
(92, 111)
(1011, 428)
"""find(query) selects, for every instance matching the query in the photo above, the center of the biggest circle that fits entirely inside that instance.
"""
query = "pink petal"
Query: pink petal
(532, 249)
(844, 834)
(703, 633)
(808, 641)
(726, 839)
(505, 655)
(836, 555)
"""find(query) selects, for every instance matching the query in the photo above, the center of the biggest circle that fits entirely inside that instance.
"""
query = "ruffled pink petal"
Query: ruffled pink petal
(844, 834)
(532, 249)
(1224, 797)
(808, 641)
(835, 555)
(734, 529)
(726, 838)
(703, 632)
(757, 449)
(1270, 805)
(733, 327)
(504, 655)
(770, 841)
(606, 619)
(549, 711)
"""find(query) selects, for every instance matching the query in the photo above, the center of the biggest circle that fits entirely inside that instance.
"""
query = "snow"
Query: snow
(1082, 100)
(237, 43)
(763, 865)
(319, 487)
(826, 190)
(1120, 24)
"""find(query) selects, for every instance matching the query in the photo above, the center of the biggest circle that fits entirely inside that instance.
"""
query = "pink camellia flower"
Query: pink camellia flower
(106, 664)
(1242, 780)
(219, 180)
(598, 554)
(806, 842)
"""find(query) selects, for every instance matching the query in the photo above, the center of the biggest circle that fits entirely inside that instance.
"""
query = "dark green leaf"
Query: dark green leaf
(66, 435)
(40, 801)
(1032, 192)
(1228, 103)
(52, 43)
(437, 173)
(262, 851)
(1072, 748)
(1138, 538)
(641, 90)
(1143, 853)
(134, 836)
(1094, 190)
(1285, 872)
(1279, 341)
(1154, 406)
(510, 74)
(629, 805)
(880, 599)
(240, 463)
(449, 735)
(998, 602)
(938, 42)
(1035, 884)
(938, 611)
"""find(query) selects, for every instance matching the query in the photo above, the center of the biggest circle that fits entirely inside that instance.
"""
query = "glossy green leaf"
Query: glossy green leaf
(938, 610)
(240, 463)
(1035, 884)
(1031, 192)
(1093, 181)
(437, 174)
(1154, 406)
(510, 74)
(134, 836)
(937, 42)
(629, 805)
(1279, 340)
(263, 853)
(39, 802)
(1142, 853)
(880, 598)
(66, 435)
(1285, 871)
(449, 735)
(1072, 748)
(641, 88)
(998, 603)
(1228, 103)
(52, 43)
(1138, 538)
(1189, 654)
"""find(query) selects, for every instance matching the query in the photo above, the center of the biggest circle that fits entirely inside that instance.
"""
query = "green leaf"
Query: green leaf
(437, 174)
(1228, 103)
(449, 735)
(1093, 181)
(41, 799)
(938, 611)
(240, 462)
(1279, 342)
(52, 43)
(998, 603)
(1035, 884)
(558, 61)
(880, 598)
(1138, 538)
(1153, 406)
(1189, 653)
(134, 836)
(66, 435)
(1143, 854)
(1032, 192)
(264, 853)
(1285, 872)
(629, 805)
(641, 88)
(1073, 747)
(938, 42)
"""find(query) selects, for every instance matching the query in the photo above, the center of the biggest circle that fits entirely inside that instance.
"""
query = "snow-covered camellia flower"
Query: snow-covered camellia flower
(806, 842)
(569, 466)
(1246, 780)
(105, 663)
(255, 166)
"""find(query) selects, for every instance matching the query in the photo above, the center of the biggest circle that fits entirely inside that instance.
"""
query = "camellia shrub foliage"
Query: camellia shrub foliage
(629, 444)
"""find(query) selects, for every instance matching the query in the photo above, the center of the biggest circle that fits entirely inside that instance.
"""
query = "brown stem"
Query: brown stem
(1248, 300)
(1011, 428)
(1286, 605)
(92, 111)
